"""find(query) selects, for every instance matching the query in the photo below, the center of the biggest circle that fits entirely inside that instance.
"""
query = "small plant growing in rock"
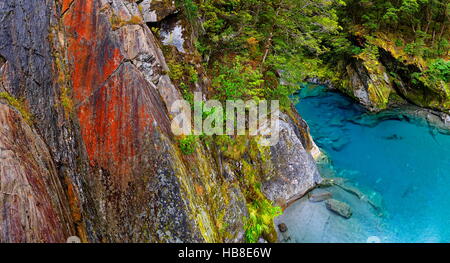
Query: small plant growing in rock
(18, 104)
(188, 144)
(117, 22)
(260, 220)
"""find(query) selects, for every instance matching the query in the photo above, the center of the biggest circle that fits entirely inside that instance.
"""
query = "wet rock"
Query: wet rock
(370, 84)
(446, 119)
(318, 81)
(327, 182)
(339, 208)
(319, 195)
(282, 227)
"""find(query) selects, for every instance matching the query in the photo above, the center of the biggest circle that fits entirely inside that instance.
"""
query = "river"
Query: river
(397, 162)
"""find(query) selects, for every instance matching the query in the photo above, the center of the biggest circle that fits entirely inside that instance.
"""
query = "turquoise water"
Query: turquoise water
(402, 159)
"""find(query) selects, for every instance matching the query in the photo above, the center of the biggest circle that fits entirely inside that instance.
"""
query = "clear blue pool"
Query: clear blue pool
(404, 160)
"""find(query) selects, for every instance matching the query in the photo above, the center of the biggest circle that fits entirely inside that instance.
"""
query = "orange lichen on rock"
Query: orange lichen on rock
(65, 5)
(116, 106)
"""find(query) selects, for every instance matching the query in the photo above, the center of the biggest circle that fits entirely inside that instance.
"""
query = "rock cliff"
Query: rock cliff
(384, 75)
(85, 142)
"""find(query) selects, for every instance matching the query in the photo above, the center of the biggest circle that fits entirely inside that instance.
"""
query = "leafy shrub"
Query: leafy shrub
(238, 81)
(188, 144)
(190, 8)
(439, 70)
(260, 220)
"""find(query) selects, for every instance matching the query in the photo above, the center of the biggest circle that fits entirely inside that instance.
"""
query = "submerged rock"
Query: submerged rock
(339, 144)
(312, 222)
(339, 208)
(319, 195)
(393, 137)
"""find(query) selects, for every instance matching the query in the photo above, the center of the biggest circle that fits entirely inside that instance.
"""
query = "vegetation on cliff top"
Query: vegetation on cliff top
(248, 45)
(419, 29)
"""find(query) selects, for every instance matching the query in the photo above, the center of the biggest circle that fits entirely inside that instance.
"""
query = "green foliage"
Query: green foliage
(185, 76)
(418, 48)
(443, 47)
(282, 93)
(439, 70)
(370, 52)
(399, 42)
(391, 15)
(190, 8)
(424, 23)
(261, 211)
(176, 71)
(188, 144)
(260, 219)
(238, 81)
(255, 42)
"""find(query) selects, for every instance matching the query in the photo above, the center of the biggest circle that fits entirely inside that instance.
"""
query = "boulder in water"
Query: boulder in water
(282, 227)
(339, 208)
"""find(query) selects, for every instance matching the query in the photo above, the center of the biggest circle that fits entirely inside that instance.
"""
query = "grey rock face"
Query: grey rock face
(294, 170)
(24, 34)
(370, 86)
(140, 46)
(339, 208)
